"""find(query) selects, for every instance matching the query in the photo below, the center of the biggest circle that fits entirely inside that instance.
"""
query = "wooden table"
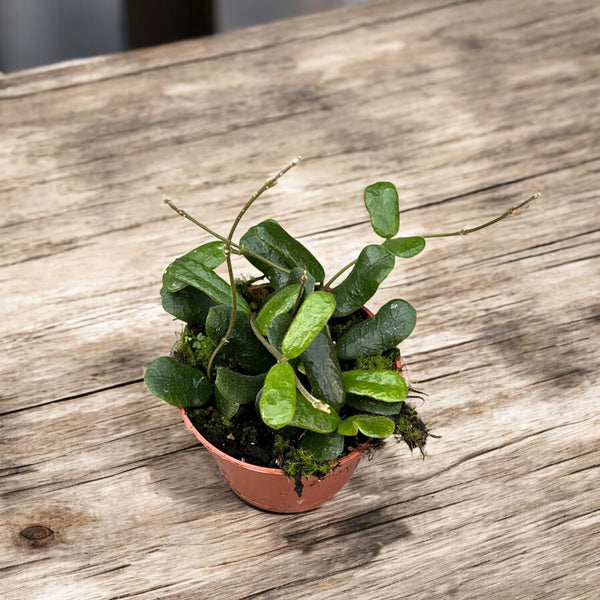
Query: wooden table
(468, 107)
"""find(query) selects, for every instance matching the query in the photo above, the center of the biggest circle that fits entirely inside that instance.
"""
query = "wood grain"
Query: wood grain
(468, 107)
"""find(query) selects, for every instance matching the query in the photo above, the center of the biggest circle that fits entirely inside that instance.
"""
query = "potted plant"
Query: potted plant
(287, 379)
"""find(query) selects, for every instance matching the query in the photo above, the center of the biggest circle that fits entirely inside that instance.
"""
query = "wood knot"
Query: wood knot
(37, 535)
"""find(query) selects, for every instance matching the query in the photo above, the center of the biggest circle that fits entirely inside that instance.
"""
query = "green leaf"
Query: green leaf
(238, 387)
(322, 368)
(228, 408)
(208, 255)
(388, 386)
(308, 417)
(369, 425)
(205, 280)
(381, 200)
(393, 323)
(376, 407)
(405, 247)
(243, 346)
(277, 330)
(323, 446)
(269, 240)
(188, 304)
(296, 275)
(373, 265)
(277, 402)
(279, 303)
(310, 319)
(177, 384)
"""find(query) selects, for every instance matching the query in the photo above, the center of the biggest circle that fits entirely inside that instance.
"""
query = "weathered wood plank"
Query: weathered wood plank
(468, 107)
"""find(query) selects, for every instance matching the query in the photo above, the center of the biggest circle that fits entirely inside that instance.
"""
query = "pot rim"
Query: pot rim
(363, 448)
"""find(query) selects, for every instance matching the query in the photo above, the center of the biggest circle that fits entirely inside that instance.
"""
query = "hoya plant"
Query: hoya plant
(288, 369)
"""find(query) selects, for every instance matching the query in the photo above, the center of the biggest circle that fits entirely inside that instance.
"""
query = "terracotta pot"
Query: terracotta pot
(270, 489)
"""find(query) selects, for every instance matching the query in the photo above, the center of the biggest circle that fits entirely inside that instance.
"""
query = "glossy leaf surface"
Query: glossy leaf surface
(406, 247)
(208, 255)
(374, 264)
(205, 280)
(188, 304)
(323, 446)
(279, 303)
(243, 346)
(387, 386)
(277, 402)
(309, 320)
(393, 323)
(322, 367)
(177, 384)
(313, 419)
(381, 200)
(228, 408)
(238, 387)
(270, 240)
(371, 426)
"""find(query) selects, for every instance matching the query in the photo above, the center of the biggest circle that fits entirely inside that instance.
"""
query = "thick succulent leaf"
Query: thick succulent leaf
(323, 446)
(243, 346)
(271, 241)
(387, 386)
(205, 280)
(376, 407)
(177, 384)
(308, 417)
(238, 387)
(369, 425)
(280, 302)
(208, 255)
(322, 367)
(374, 264)
(277, 402)
(188, 304)
(393, 323)
(405, 247)
(309, 320)
(381, 200)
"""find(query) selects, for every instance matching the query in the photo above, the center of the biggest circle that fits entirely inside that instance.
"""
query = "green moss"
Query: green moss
(338, 327)
(385, 361)
(195, 349)
(411, 428)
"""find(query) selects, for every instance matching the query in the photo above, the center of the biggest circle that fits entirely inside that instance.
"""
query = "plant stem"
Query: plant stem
(300, 293)
(511, 211)
(231, 325)
(227, 251)
(186, 215)
(340, 272)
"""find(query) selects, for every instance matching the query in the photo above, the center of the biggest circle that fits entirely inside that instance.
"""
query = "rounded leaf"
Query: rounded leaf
(381, 200)
(308, 417)
(188, 304)
(323, 446)
(405, 247)
(279, 303)
(393, 323)
(369, 425)
(177, 384)
(373, 265)
(387, 386)
(238, 387)
(376, 407)
(277, 403)
(310, 319)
